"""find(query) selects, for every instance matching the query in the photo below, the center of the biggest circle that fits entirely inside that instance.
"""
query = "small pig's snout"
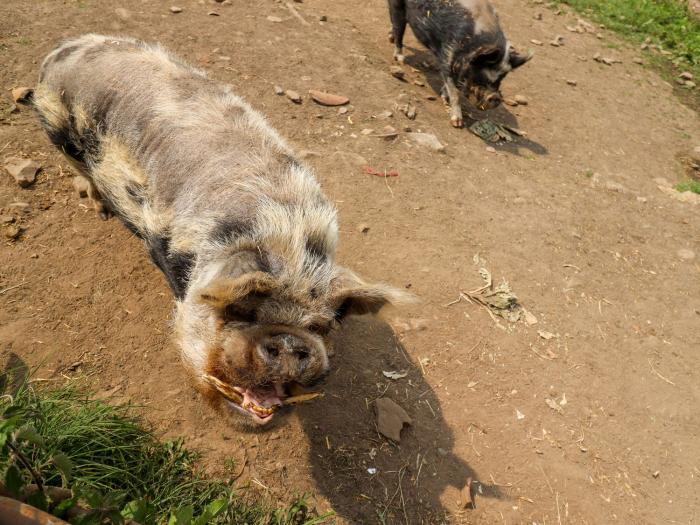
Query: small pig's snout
(493, 100)
(286, 356)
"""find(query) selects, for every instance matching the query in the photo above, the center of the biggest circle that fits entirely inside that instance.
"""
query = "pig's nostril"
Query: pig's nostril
(301, 354)
(272, 351)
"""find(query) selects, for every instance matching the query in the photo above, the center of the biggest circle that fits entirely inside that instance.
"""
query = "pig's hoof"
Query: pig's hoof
(103, 211)
(457, 122)
(399, 58)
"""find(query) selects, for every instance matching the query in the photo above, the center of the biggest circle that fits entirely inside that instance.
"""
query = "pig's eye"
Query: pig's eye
(236, 313)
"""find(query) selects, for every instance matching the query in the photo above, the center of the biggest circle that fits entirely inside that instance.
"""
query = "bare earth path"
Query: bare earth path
(571, 216)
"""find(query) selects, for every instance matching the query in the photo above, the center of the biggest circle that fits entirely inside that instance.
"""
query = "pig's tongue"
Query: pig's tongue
(262, 396)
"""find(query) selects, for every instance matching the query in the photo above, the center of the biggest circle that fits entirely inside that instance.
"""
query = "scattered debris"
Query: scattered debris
(394, 375)
(536, 42)
(519, 415)
(371, 471)
(530, 319)
(398, 72)
(21, 95)
(558, 41)
(363, 227)
(493, 132)
(571, 82)
(274, 19)
(521, 100)
(426, 139)
(293, 96)
(279, 90)
(175, 9)
(328, 99)
(371, 171)
(546, 335)
(606, 60)
(498, 300)
(342, 111)
(390, 418)
(23, 170)
(553, 405)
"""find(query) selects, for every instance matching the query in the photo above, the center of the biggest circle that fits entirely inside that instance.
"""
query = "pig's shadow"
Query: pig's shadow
(346, 446)
(426, 63)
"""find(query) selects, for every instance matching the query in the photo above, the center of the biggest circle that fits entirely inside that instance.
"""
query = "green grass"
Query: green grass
(667, 23)
(112, 454)
(691, 185)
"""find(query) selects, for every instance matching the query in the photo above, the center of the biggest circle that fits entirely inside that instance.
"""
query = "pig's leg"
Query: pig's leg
(397, 11)
(100, 205)
(450, 94)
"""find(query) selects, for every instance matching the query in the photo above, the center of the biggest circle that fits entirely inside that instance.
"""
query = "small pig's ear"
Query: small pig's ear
(516, 59)
(355, 297)
(224, 292)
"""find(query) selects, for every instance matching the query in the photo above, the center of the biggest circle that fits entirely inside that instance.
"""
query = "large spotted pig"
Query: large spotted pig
(238, 226)
(466, 37)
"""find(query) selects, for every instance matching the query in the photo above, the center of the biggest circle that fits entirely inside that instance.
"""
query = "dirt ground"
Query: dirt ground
(597, 424)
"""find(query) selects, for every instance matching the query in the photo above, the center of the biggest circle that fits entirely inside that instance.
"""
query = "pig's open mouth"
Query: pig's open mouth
(262, 401)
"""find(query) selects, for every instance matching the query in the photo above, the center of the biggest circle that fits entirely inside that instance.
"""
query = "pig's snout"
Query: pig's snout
(290, 358)
(492, 100)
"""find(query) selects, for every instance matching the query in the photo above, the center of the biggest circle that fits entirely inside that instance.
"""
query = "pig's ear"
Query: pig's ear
(237, 294)
(516, 59)
(353, 296)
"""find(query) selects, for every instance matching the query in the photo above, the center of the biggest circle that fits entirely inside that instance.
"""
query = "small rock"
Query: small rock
(328, 99)
(397, 72)
(279, 90)
(213, 13)
(638, 60)
(20, 205)
(537, 16)
(362, 227)
(571, 82)
(614, 186)
(490, 149)
(390, 418)
(122, 13)
(12, 231)
(81, 185)
(689, 84)
(430, 97)
(175, 9)
(21, 95)
(6, 219)
(536, 42)
(686, 254)
(293, 96)
(509, 102)
(641, 199)
(656, 474)
(275, 19)
(419, 83)
(367, 131)
(323, 18)
(558, 41)
(411, 112)
(426, 139)
(342, 111)
(686, 75)
(23, 170)
(389, 132)
(520, 100)
(385, 114)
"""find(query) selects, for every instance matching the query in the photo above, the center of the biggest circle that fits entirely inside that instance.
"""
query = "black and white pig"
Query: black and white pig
(467, 39)
(237, 224)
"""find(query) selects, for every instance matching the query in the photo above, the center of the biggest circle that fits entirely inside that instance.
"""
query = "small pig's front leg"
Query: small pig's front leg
(397, 11)
(450, 94)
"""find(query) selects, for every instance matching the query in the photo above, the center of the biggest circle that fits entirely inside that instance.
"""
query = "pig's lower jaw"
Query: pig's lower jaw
(260, 403)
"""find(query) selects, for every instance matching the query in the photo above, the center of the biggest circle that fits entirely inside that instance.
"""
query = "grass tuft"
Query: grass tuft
(691, 185)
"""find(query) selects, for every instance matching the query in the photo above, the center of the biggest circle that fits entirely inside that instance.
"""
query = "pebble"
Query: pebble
(426, 139)
(520, 100)
(23, 170)
(328, 99)
(490, 149)
(390, 418)
(323, 18)
(342, 111)
(80, 185)
(362, 227)
(690, 84)
(293, 96)
(20, 205)
(686, 254)
(213, 13)
(6, 219)
(571, 82)
(558, 41)
(614, 186)
(536, 42)
(397, 72)
(686, 75)
(122, 13)
(279, 90)
(275, 19)
(638, 60)
(12, 231)
(509, 102)
(175, 9)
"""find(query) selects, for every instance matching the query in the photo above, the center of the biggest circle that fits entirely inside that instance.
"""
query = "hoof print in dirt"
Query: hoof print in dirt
(390, 418)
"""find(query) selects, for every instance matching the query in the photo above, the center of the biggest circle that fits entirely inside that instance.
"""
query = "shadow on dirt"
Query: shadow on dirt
(427, 64)
(14, 372)
(346, 446)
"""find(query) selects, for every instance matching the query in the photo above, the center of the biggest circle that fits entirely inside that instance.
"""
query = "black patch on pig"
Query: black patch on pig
(230, 229)
(316, 248)
(135, 193)
(175, 266)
